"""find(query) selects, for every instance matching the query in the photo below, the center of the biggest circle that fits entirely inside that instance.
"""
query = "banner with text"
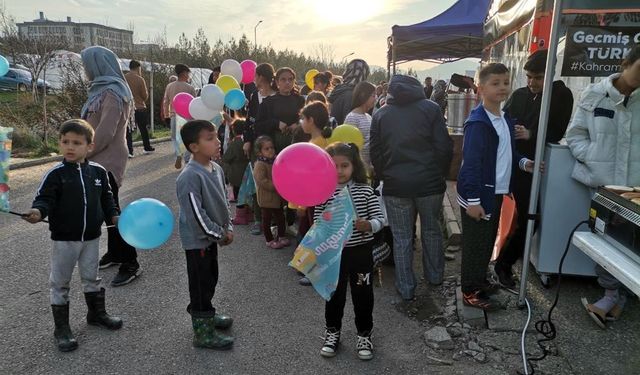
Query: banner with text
(597, 51)
(318, 255)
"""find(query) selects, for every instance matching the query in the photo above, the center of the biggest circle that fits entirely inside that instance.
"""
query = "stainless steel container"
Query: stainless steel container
(458, 108)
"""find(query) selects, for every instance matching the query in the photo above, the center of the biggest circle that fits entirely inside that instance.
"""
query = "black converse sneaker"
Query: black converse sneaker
(364, 346)
(331, 341)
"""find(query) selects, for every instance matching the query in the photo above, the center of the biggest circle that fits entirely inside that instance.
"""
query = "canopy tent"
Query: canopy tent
(455, 34)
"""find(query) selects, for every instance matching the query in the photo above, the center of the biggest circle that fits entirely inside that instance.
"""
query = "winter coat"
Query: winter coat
(410, 146)
(77, 198)
(341, 99)
(523, 107)
(268, 197)
(604, 136)
(272, 110)
(109, 121)
(235, 162)
(477, 176)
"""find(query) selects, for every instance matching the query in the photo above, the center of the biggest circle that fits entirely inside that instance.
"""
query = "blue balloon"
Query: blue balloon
(146, 223)
(217, 121)
(234, 99)
(4, 66)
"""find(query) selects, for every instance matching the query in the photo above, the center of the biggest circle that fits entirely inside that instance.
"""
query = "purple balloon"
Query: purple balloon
(304, 174)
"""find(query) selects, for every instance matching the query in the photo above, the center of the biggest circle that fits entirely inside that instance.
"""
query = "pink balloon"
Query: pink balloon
(304, 174)
(181, 105)
(248, 70)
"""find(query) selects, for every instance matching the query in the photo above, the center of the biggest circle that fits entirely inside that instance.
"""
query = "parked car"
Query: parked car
(20, 80)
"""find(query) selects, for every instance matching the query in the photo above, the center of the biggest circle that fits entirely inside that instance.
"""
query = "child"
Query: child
(364, 98)
(204, 223)
(315, 122)
(269, 200)
(266, 87)
(278, 115)
(489, 159)
(356, 264)
(322, 82)
(318, 96)
(77, 197)
(235, 162)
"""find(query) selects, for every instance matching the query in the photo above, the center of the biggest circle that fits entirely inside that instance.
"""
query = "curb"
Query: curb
(454, 233)
(49, 159)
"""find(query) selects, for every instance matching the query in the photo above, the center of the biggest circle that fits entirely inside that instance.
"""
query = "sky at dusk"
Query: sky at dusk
(359, 26)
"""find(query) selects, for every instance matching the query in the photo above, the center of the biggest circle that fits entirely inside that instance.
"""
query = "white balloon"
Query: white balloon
(199, 111)
(212, 97)
(231, 68)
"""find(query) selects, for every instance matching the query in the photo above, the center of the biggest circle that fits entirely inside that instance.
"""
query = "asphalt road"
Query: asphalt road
(278, 325)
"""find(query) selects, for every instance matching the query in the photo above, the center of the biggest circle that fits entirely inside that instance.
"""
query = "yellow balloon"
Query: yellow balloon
(308, 78)
(227, 83)
(347, 134)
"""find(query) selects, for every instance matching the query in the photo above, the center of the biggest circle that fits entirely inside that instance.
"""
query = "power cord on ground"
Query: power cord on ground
(545, 327)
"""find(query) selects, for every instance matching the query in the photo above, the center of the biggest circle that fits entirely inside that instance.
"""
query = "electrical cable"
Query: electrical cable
(546, 327)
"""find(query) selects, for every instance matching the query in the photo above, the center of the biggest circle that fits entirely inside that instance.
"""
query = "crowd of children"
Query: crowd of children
(77, 196)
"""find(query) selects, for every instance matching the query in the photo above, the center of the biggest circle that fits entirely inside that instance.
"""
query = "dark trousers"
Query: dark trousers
(130, 140)
(202, 270)
(514, 247)
(142, 120)
(356, 268)
(267, 215)
(305, 223)
(478, 238)
(117, 249)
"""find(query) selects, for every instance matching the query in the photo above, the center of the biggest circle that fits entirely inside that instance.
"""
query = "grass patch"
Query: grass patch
(158, 133)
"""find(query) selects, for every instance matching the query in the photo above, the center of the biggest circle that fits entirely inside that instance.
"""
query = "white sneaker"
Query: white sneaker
(131, 156)
(331, 341)
(364, 347)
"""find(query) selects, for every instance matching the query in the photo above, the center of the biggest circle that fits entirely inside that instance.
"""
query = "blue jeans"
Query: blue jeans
(401, 214)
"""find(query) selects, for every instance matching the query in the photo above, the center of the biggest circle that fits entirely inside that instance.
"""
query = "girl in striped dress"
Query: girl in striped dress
(356, 265)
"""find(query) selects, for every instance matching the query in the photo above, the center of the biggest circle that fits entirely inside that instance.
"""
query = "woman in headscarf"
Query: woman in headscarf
(107, 110)
(341, 97)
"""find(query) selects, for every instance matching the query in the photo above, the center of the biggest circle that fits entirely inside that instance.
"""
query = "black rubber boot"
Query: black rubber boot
(97, 315)
(64, 338)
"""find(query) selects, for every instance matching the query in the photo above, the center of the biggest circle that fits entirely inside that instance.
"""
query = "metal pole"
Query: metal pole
(151, 114)
(255, 36)
(543, 122)
(393, 55)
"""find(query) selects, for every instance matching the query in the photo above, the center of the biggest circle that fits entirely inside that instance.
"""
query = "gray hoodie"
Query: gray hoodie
(204, 209)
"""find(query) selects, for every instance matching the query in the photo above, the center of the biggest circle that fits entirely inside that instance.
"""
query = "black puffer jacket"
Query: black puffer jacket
(410, 147)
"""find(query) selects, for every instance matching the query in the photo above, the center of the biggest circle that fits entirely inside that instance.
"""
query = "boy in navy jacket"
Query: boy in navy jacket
(489, 161)
(77, 198)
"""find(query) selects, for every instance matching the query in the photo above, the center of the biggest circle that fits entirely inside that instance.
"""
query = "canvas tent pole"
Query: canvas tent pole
(540, 145)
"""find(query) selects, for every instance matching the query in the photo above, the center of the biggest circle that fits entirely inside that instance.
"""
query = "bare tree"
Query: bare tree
(34, 53)
(324, 53)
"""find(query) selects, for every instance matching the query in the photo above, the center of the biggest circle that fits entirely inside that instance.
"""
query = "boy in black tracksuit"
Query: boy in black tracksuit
(77, 198)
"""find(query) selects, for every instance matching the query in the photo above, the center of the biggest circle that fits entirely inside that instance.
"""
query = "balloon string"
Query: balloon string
(46, 221)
